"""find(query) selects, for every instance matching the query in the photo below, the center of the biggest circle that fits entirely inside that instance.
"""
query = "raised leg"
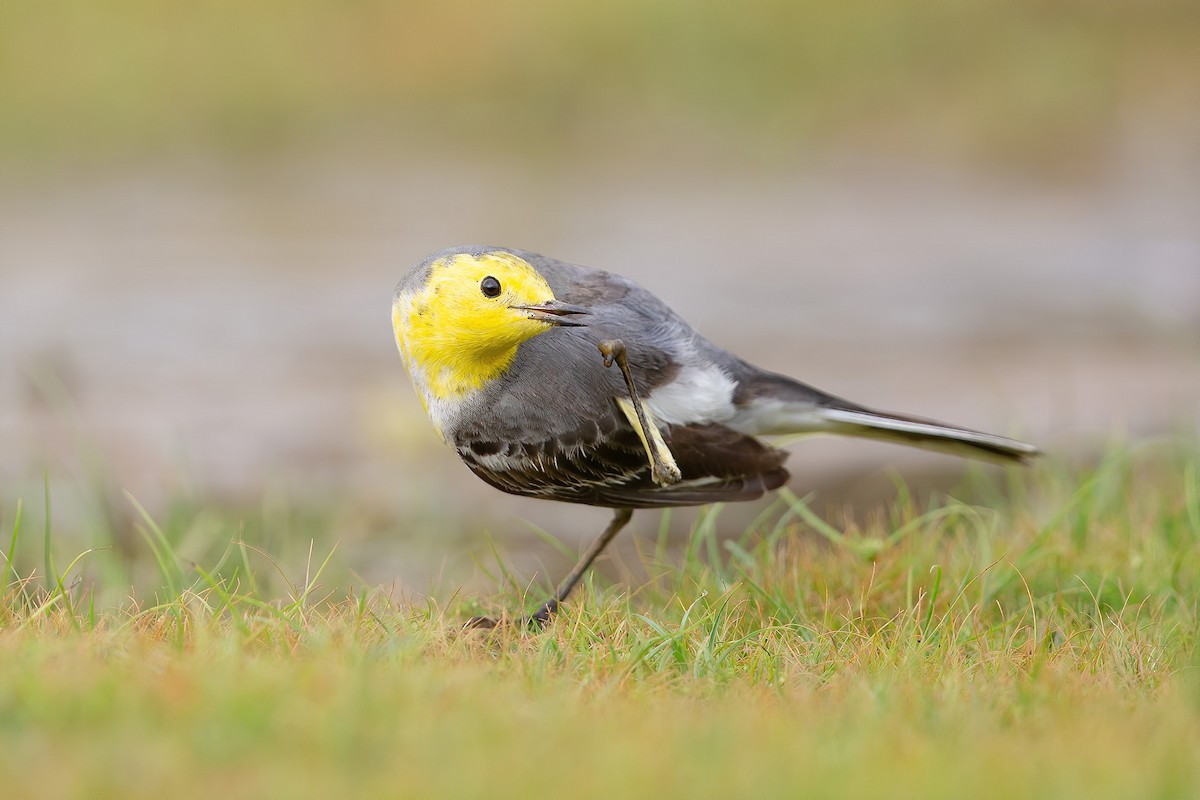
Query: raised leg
(663, 469)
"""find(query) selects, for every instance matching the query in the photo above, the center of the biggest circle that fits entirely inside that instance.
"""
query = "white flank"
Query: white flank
(696, 396)
(767, 415)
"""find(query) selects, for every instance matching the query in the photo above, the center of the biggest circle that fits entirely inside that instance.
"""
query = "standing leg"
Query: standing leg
(620, 519)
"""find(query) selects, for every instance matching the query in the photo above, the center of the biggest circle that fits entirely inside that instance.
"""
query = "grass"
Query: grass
(1040, 646)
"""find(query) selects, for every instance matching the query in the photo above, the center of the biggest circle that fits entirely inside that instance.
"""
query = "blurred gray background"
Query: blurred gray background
(989, 216)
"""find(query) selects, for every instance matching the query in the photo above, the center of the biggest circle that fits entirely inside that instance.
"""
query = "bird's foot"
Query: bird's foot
(534, 622)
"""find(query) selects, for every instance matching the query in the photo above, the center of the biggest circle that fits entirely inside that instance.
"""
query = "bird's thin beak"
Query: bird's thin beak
(556, 313)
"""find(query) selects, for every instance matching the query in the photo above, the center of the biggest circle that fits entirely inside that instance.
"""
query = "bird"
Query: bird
(512, 355)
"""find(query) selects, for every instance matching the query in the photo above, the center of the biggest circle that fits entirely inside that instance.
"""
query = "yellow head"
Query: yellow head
(459, 318)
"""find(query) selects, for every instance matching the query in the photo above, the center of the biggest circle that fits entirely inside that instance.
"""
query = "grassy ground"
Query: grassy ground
(1044, 645)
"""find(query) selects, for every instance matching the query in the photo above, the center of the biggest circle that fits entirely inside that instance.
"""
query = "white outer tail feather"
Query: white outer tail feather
(928, 434)
(775, 416)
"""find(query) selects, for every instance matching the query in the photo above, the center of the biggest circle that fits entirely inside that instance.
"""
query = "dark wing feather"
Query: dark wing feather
(557, 469)
(611, 468)
(718, 464)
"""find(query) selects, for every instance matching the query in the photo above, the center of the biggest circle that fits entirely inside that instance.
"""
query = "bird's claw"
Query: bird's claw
(534, 622)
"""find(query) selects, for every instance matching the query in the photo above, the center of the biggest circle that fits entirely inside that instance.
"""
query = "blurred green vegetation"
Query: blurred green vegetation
(1024, 80)
(1045, 649)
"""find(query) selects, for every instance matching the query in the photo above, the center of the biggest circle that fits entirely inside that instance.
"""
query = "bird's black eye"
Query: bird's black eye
(490, 287)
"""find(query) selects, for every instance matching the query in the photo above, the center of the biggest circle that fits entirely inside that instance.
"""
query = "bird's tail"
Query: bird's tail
(926, 434)
(777, 404)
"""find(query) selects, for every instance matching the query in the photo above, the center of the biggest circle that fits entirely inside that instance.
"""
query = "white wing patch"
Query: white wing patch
(697, 396)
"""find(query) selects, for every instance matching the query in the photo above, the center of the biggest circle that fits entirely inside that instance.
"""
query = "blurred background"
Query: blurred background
(983, 213)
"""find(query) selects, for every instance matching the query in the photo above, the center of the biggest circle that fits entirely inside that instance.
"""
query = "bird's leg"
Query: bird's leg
(540, 617)
(620, 519)
(663, 469)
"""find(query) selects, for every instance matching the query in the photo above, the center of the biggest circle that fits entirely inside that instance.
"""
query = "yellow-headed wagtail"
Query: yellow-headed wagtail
(509, 352)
